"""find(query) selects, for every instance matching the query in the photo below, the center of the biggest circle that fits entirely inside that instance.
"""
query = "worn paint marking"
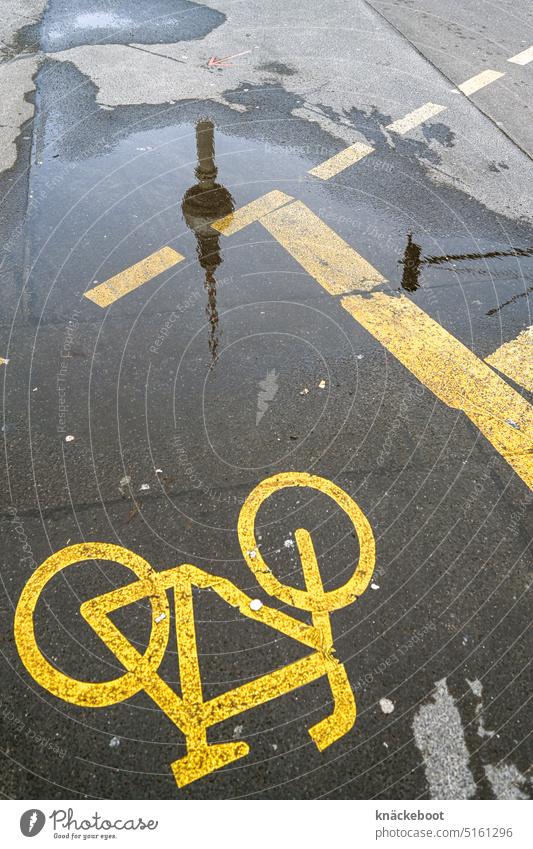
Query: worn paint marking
(452, 372)
(523, 58)
(415, 118)
(515, 359)
(479, 81)
(439, 736)
(131, 278)
(251, 212)
(343, 159)
(318, 249)
(189, 711)
(507, 781)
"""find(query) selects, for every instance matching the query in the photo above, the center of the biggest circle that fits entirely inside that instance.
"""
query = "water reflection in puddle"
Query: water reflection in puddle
(202, 204)
(413, 263)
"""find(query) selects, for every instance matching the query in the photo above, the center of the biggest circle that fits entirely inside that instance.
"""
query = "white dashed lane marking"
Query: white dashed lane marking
(439, 736)
(341, 160)
(415, 118)
(523, 58)
(480, 80)
(358, 150)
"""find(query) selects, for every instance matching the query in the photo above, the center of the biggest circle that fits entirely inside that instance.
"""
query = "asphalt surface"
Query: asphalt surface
(186, 393)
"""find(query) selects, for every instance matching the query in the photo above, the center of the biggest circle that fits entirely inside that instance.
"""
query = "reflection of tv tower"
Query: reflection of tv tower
(203, 203)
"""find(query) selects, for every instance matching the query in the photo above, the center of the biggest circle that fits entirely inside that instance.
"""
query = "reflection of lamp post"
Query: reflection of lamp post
(411, 265)
(203, 203)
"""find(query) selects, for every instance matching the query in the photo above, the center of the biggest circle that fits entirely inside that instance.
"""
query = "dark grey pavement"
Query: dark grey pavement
(161, 390)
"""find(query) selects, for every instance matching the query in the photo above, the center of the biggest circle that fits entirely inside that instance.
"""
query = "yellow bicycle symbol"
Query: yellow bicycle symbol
(190, 712)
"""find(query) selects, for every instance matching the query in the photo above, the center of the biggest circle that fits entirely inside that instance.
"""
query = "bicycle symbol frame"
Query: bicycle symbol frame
(190, 712)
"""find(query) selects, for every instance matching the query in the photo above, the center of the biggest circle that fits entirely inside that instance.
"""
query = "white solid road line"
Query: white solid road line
(479, 81)
(413, 119)
(522, 58)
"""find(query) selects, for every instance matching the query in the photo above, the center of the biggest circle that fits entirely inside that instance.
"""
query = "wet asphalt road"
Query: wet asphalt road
(164, 391)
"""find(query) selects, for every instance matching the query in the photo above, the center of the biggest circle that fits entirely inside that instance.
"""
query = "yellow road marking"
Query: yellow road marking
(270, 686)
(234, 222)
(323, 254)
(413, 119)
(314, 598)
(442, 363)
(479, 81)
(340, 721)
(131, 278)
(341, 160)
(188, 711)
(453, 373)
(87, 694)
(522, 58)
(515, 359)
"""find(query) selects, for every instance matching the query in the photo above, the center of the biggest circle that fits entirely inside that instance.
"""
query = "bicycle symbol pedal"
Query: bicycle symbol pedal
(190, 712)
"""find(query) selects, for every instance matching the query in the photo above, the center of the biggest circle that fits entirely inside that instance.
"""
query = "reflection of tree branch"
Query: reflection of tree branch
(494, 310)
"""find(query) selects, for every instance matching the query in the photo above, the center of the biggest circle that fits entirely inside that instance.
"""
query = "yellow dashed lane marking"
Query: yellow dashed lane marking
(323, 254)
(131, 278)
(415, 118)
(515, 359)
(522, 58)
(453, 373)
(341, 160)
(251, 212)
(479, 81)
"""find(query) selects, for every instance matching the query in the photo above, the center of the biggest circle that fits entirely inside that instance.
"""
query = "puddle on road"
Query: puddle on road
(414, 262)
(72, 23)
(112, 186)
